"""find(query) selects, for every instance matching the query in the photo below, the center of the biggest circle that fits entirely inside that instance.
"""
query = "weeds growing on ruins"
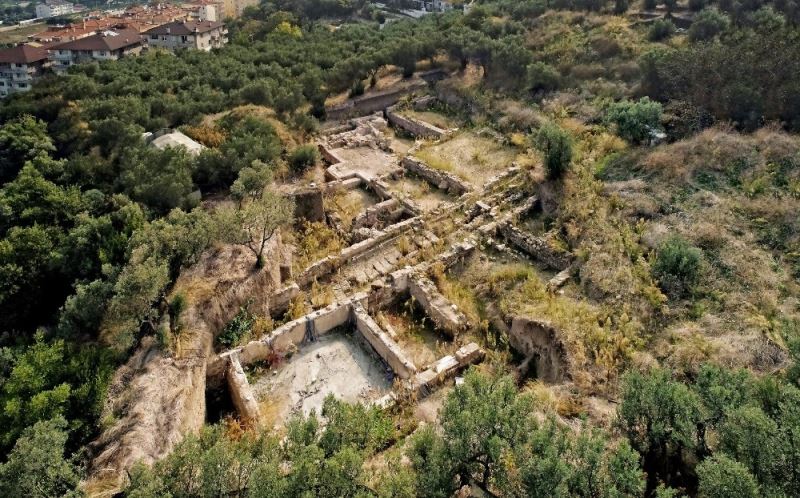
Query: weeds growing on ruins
(513, 248)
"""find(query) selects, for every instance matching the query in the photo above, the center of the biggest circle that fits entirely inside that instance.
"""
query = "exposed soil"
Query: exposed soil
(369, 162)
(335, 364)
(472, 157)
(422, 193)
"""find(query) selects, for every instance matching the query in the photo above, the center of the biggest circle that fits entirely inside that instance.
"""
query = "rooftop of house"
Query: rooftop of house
(184, 28)
(22, 54)
(107, 40)
(137, 17)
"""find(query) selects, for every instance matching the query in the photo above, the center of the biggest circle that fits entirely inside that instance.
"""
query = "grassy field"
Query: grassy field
(18, 34)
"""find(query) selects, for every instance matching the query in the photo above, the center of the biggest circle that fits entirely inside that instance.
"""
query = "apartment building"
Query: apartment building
(54, 8)
(106, 45)
(19, 67)
(191, 35)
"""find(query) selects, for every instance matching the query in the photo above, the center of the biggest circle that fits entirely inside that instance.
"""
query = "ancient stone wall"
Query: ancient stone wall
(415, 127)
(442, 312)
(367, 104)
(383, 345)
(441, 179)
(241, 393)
(445, 368)
(539, 341)
(373, 215)
(536, 247)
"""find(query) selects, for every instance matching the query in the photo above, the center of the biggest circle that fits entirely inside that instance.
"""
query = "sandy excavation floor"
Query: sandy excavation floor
(333, 364)
(426, 196)
(369, 162)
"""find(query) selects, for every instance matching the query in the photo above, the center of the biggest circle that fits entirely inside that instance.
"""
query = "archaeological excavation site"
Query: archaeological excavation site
(381, 326)
(412, 243)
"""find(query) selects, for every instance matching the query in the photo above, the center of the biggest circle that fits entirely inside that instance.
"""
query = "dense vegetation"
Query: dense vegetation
(95, 226)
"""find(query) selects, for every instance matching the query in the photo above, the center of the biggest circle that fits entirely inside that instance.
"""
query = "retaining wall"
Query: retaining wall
(372, 215)
(241, 393)
(383, 345)
(367, 104)
(413, 126)
(443, 313)
(536, 247)
(445, 368)
(440, 179)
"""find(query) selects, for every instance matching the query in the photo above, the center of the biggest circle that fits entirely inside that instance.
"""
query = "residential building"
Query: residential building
(54, 8)
(193, 35)
(19, 67)
(106, 45)
(140, 18)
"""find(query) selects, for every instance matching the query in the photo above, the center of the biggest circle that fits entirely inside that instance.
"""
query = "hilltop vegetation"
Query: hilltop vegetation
(684, 310)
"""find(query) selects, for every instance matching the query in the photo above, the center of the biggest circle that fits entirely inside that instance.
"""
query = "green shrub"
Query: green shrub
(635, 121)
(556, 145)
(723, 477)
(303, 158)
(239, 326)
(543, 77)
(357, 88)
(707, 24)
(661, 30)
(677, 266)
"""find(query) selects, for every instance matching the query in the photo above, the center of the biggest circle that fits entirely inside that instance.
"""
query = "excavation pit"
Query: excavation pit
(471, 157)
(337, 364)
(415, 333)
(419, 192)
(367, 162)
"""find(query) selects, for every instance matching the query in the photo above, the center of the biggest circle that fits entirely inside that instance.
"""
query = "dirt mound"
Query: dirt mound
(159, 396)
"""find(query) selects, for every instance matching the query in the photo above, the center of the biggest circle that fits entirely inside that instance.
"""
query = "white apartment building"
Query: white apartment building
(54, 8)
(192, 35)
(106, 45)
(20, 66)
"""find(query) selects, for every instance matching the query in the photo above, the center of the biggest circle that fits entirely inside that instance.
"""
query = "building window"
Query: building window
(184, 39)
(154, 37)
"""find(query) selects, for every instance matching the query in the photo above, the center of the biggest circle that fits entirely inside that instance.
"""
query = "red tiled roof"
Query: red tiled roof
(184, 28)
(102, 41)
(22, 54)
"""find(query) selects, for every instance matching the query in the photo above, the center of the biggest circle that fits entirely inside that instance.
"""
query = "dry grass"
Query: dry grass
(729, 194)
(436, 119)
(472, 157)
(20, 34)
(312, 243)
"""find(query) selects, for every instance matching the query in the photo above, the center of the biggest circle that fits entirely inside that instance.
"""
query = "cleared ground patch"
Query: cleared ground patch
(431, 117)
(367, 161)
(470, 156)
(334, 364)
(421, 192)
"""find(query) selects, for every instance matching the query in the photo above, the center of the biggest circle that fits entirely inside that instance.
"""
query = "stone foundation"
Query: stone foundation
(383, 344)
(413, 126)
(440, 179)
(535, 247)
(444, 314)
(240, 392)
